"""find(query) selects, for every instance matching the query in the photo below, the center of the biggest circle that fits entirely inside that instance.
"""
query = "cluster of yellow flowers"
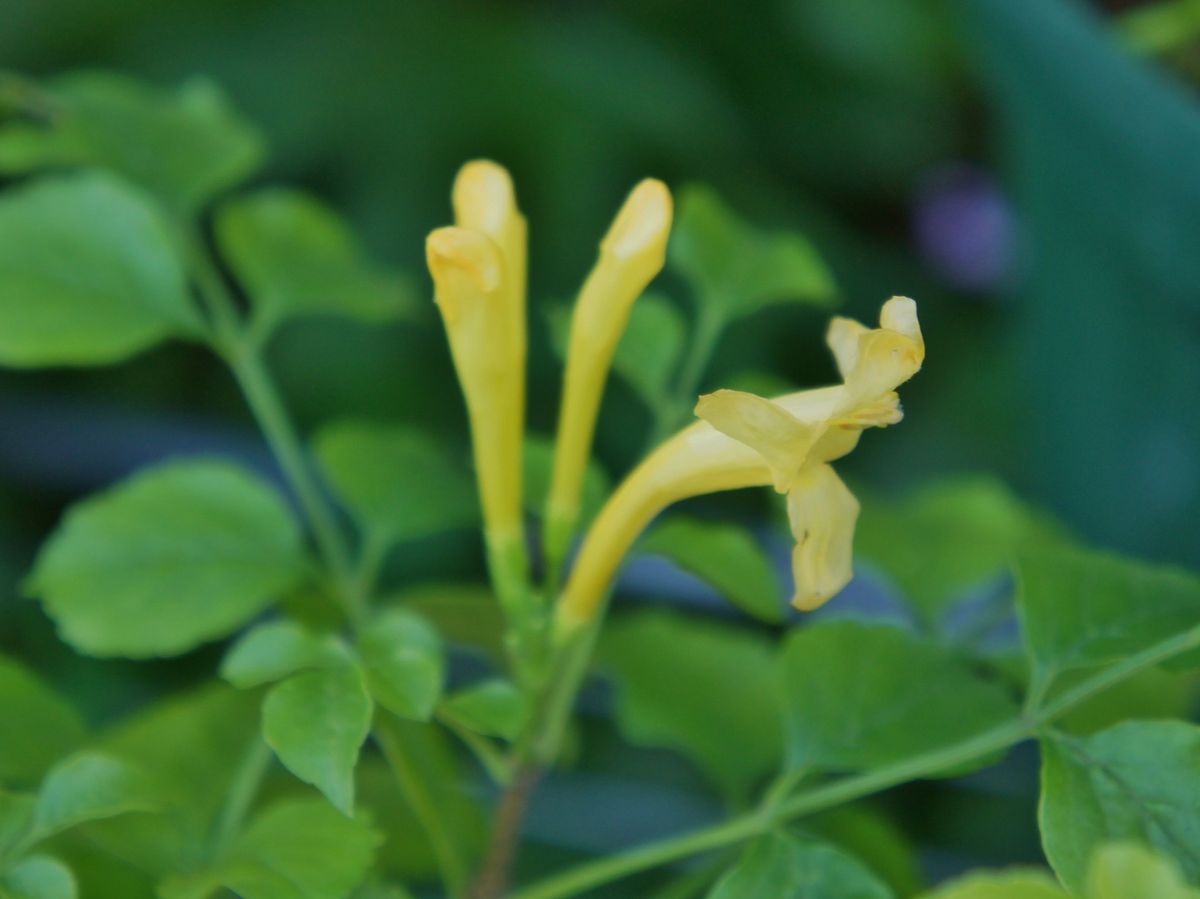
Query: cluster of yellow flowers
(742, 440)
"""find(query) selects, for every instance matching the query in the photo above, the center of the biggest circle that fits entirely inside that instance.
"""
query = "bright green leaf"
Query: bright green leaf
(38, 877)
(1082, 607)
(725, 556)
(1011, 884)
(739, 268)
(177, 555)
(1138, 781)
(494, 708)
(87, 787)
(404, 662)
(859, 696)
(398, 482)
(538, 470)
(88, 274)
(316, 722)
(40, 726)
(1131, 871)
(786, 867)
(947, 538)
(296, 256)
(185, 145)
(276, 649)
(705, 689)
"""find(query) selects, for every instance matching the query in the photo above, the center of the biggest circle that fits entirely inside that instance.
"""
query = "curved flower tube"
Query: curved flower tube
(747, 441)
(631, 255)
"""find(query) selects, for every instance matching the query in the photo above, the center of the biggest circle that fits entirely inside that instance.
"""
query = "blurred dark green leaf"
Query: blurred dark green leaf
(948, 537)
(860, 696)
(725, 556)
(399, 482)
(87, 787)
(38, 877)
(174, 556)
(786, 867)
(705, 689)
(538, 467)
(1082, 607)
(16, 820)
(295, 256)
(276, 649)
(1138, 781)
(42, 726)
(88, 274)
(185, 145)
(738, 268)
(316, 722)
(494, 708)
(404, 663)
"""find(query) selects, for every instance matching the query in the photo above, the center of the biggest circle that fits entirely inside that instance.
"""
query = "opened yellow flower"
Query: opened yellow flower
(631, 254)
(478, 269)
(747, 441)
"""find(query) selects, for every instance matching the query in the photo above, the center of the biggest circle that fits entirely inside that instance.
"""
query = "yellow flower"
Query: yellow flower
(631, 254)
(746, 441)
(478, 269)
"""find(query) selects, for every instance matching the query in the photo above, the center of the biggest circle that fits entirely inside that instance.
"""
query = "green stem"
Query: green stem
(451, 863)
(593, 874)
(246, 782)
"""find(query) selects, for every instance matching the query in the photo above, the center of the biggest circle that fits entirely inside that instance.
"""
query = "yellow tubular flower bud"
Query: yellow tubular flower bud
(487, 343)
(631, 254)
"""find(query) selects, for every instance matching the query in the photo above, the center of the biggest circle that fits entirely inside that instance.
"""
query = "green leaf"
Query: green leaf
(40, 726)
(16, 820)
(87, 787)
(1082, 607)
(185, 145)
(738, 268)
(494, 708)
(1012, 884)
(316, 722)
(404, 662)
(650, 348)
(860, 696)
(707, 690)
(785, 867)
(295, 256)
(88, 274)
(1130, 871)
(538, 469)
(272, 651)
(1138, 781)
(295, 849)
(398, 482)
(725, 556)
(174, 556)
(38, 877)
(947, 538)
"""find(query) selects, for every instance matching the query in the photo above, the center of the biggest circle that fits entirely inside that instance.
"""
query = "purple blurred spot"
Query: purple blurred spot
(964, 227)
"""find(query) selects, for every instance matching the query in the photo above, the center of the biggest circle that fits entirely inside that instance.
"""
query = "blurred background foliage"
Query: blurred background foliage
(1029, 170)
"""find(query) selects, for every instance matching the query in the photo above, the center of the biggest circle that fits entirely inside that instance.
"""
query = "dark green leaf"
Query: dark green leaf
(175, 556)
(727, 557)
(948, 538)
(738, 268)
(88, 274)
(786, 867)
(1138, 781)
(399, 482)
(40, 727)
(1082, 607)
(404, 663)
(38, 877)
(707, 690)
(494, 708)
(295, 256)
(276, 649)
(16, 820)
(185, 145)
(316, 722)
(87, 787)
(861, 696)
